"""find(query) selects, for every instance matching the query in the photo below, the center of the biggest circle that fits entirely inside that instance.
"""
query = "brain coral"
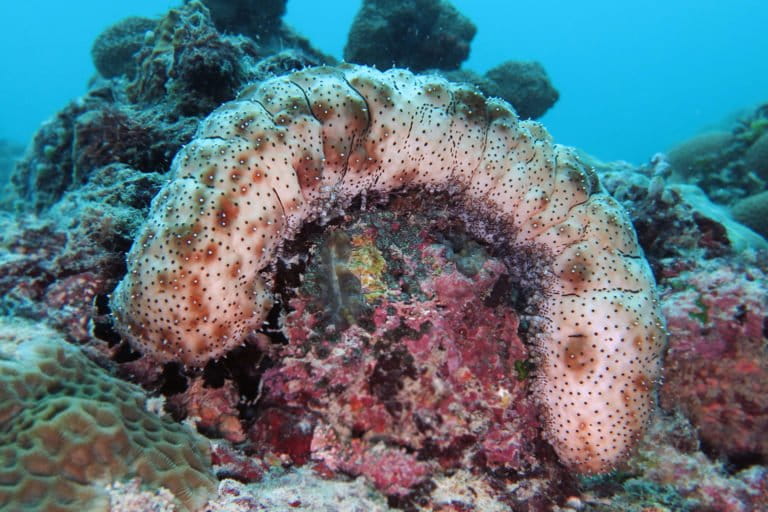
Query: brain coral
(292, 147)
(67, 428)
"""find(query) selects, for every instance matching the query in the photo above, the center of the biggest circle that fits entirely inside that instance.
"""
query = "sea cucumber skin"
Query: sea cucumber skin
(284, 151)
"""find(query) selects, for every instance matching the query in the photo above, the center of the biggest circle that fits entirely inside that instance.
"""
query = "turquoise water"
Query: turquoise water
(633, 77)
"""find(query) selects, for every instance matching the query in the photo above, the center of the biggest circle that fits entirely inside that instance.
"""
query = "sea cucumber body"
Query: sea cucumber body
(287, 149)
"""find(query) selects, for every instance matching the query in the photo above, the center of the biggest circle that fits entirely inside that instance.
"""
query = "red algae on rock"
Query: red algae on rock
(417, 378)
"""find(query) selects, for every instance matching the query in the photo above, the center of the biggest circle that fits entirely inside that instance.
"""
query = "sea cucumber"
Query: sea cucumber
(289, 148)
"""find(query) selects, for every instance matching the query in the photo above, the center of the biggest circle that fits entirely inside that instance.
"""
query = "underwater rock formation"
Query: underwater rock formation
(413, 34)
(186, 60)
(185, 69)
(292, 148)
(261, 22)
(431, 36)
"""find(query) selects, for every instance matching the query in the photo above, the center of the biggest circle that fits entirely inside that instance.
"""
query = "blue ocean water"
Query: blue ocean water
(634, 77)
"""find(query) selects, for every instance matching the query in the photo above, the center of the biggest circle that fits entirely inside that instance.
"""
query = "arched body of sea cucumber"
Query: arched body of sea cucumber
(263, 165)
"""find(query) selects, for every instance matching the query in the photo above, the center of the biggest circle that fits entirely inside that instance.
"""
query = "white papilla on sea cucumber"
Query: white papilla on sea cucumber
(278, 156)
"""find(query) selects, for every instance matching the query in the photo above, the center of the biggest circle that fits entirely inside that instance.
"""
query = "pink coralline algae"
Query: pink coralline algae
(716, 369)
(213, 409)
(415, 369)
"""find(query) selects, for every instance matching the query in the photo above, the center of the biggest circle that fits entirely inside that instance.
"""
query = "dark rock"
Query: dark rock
(415, 34)
(114, 49)
(259, 19)
(523, 84)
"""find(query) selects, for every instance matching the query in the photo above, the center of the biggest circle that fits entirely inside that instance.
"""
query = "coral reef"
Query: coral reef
(213, 409)
(729, 163)
(415, 34)
(88, 134)
(673, 220)
(57, 267)
(66, 426)
(114, 49)
(670, 473)
(406, 342)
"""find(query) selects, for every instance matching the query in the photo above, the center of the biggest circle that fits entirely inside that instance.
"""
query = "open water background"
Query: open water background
(634, 77)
